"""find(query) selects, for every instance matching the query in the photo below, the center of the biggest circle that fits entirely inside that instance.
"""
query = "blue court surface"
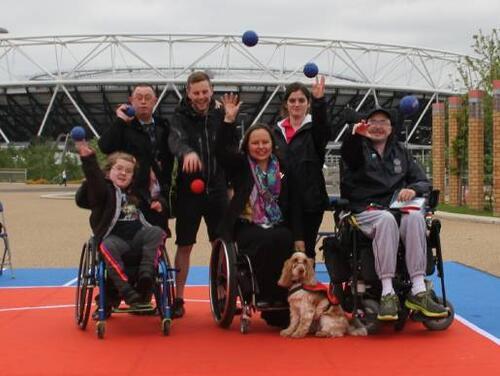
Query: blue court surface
(474, 294)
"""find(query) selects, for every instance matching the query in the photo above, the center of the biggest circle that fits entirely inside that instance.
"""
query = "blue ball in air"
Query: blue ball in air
(409, 105)
(250, 38)
(77, 133)
(311, 70)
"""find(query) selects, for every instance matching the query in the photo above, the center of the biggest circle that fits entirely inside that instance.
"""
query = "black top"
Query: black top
(237, 167)
(368, 178)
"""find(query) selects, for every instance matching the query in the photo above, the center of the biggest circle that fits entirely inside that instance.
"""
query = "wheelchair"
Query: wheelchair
(6, 256)
(92, 274)
(234, 289)
(350, 264)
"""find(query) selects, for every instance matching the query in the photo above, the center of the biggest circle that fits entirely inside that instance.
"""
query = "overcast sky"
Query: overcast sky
(440, 24)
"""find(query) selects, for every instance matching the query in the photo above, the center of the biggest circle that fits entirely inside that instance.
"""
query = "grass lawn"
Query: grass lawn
(464, 210)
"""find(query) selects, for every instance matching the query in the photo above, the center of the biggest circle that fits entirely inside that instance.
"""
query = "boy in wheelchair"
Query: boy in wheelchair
(118, 223)
(376, 170)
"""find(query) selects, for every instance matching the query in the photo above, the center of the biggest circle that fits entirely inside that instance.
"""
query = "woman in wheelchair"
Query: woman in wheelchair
(257, 218)
(376, 170)
(119, 224)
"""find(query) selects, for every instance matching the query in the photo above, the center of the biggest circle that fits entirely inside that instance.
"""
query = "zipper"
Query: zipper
(207, 140)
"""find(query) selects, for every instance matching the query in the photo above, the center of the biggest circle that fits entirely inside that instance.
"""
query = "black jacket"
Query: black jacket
(192, 132)
(133, 139)
(305, 157)
(367, 178)
(100, 196)
(237, 168)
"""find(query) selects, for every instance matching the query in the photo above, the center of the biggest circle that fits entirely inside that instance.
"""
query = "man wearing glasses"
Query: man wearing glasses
(137, 132)
(377, 171)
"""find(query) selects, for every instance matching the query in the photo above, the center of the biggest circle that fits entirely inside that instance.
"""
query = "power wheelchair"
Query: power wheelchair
(234, 289)
(92, 274)
(350, 264)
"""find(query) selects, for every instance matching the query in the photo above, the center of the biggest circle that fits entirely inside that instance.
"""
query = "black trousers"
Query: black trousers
(267, 249)
(312, 222)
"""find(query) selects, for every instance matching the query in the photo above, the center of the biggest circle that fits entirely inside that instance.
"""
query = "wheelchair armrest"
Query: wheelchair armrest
(338, 203)
(433, 199)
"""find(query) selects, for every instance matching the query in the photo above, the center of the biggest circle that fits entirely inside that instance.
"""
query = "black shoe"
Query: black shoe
(145, 285)
(178, 308)
(131, 297)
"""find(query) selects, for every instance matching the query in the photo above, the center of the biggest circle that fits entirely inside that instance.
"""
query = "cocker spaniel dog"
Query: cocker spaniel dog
(311, 310)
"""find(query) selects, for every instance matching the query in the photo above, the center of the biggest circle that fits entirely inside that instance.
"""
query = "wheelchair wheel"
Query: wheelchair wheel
(369, 318)
(165, 326)
(164, 290)
(440, 323)
(100, 329)
(85, 285)
(223, 283)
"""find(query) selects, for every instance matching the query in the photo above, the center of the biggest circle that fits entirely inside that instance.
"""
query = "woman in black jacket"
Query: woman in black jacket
(258, 216)
(302, 137)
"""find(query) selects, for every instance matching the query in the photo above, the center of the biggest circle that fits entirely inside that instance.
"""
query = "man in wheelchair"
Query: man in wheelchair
(119, 224)
(377, 172)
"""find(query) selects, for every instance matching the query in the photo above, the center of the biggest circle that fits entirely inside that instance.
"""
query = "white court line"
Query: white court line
(69, 283)
(467, 323)
(35, 308)
(478, 330)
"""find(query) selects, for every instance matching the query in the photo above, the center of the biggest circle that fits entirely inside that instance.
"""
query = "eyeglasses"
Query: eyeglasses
(120, 169)
(379, 122)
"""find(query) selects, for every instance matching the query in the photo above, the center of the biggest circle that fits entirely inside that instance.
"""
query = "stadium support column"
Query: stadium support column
(475, 198)
(496, 147)
(438, 113)
(454, 106)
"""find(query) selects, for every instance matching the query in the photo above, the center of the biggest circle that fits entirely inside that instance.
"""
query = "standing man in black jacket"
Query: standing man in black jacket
(192, 140)
(377, 170)
(146, 138)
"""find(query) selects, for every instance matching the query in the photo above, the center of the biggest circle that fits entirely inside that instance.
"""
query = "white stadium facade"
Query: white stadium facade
(48, 84)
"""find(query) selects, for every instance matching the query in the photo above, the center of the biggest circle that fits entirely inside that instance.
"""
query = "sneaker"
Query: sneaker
(178, 308)
(424, 303)
(389, 307)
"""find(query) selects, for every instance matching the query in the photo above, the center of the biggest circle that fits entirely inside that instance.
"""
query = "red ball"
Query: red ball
(197, 186)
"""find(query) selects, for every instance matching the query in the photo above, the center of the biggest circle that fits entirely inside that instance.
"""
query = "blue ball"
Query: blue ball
(311, 70)
(78, 133)
(130, 111)
(250, 38)
(409, 105)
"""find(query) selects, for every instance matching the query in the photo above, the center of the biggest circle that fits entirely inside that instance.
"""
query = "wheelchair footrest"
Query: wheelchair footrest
(137, 308)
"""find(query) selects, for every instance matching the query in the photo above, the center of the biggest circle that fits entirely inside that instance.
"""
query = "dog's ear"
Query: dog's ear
(286, 274)
(309, 278)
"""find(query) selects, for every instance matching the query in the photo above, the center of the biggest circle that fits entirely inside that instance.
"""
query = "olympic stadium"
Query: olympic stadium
(48, 84)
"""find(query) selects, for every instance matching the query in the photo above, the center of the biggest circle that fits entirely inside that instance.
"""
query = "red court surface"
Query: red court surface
(39, 337)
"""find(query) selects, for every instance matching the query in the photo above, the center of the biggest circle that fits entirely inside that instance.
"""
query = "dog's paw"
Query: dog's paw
(285, 333)
(322, 334)
(298, 335)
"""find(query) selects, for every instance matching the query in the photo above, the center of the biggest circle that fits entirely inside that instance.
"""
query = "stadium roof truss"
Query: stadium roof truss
(63, 80)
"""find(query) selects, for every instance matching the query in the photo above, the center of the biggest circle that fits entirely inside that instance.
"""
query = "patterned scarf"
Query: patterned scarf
(265, 193)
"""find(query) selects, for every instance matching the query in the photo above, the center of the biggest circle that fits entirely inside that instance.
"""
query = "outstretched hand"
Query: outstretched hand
(361, 128)
(231, 105)
(318, 87)
(83, 148)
